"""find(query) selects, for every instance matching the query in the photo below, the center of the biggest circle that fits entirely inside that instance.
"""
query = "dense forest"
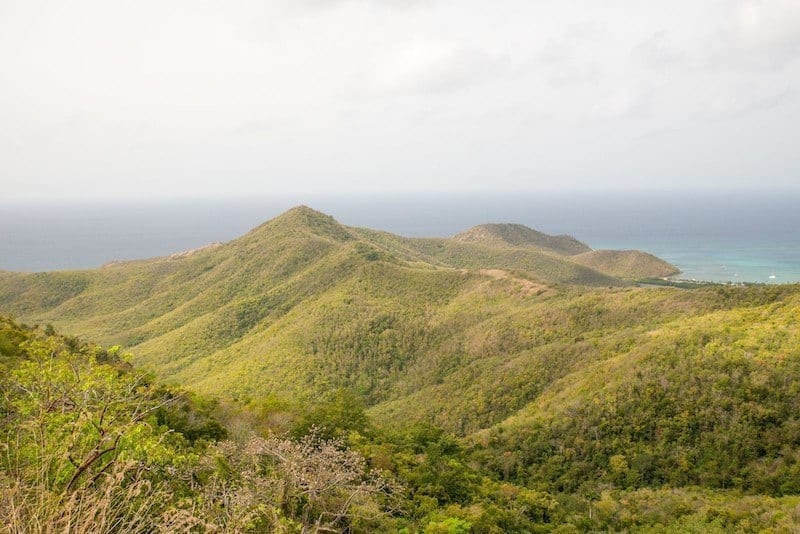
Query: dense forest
(313, 377)
(91, 444)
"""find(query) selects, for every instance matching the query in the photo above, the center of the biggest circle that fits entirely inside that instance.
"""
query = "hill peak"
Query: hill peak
(305, 219)
(304, 215)
(519, 235)
(303, 210)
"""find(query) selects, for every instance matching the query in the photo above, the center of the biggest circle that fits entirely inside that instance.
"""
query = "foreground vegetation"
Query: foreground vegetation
(92, 445)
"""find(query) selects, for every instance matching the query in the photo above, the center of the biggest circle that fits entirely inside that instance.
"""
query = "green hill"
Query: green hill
(518, 243)
(518, 235)
(277, 307)
(303, 303)
(626, 263)
(702, 401)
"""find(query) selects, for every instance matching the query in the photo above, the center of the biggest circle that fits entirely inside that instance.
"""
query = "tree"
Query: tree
(80, 447)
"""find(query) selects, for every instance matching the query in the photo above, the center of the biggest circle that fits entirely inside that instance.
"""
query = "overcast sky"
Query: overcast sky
(109, 99)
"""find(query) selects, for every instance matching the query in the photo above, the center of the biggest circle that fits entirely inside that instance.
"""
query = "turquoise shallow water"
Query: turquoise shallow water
(756, 264)
(723, 262)
(718, 236)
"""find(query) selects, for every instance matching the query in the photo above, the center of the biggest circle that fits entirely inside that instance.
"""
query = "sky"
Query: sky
(152, 99)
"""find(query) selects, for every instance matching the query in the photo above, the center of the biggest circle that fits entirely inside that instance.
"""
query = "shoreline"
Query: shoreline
(688, 283)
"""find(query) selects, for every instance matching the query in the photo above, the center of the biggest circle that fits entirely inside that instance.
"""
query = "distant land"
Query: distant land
(710, 235)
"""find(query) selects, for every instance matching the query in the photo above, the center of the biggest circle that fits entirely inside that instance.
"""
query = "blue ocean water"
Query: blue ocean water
(710, 235)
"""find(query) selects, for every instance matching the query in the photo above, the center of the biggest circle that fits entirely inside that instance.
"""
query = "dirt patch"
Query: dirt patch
(527, 286)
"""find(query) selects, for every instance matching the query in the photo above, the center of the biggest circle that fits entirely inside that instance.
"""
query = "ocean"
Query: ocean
(709, 235)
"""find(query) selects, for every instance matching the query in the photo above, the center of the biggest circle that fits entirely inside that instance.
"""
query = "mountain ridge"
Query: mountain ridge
(200, 314)
(516, 235)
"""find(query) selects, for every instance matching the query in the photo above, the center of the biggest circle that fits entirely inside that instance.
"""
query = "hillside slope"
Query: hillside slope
(626, 263)
(299, 244)
(302, 304)
(167, 470)
(257, 308)
(518, 235)
(707, 401)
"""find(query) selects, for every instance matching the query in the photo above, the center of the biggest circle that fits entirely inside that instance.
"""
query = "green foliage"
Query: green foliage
(451, 525)
(692, 510)
(79, 437)
(192, 416)
(709, 402)
(12, 337)
(82, 406)
(518, 235)
(336, 418)
(41, 291)
(626, 263)
(90, 445)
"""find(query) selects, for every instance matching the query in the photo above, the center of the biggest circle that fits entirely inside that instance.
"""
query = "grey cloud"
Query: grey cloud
(744, 102)
(657, 52)
(569, 60)
(621, 103)
(441, 69)
(255, 127)
(567, 74)
(656, 134)
(756, 35)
